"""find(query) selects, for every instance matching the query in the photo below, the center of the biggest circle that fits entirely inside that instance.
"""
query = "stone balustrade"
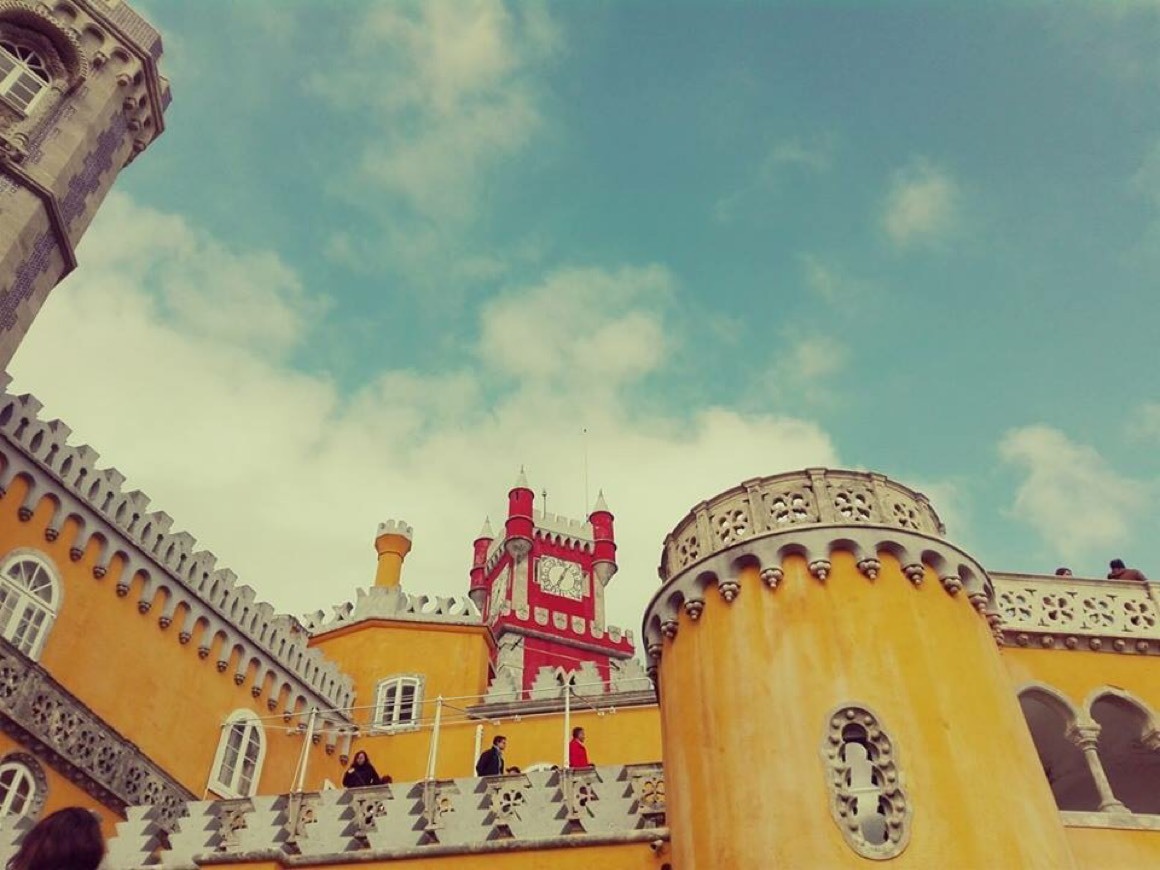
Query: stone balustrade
(538, 809)
(769, 505)
(41, 713)
(1078, 613)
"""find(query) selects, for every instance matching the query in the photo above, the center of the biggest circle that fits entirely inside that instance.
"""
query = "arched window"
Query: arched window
(29, 599)
(398, 701)
(24, 75)
(23, 786)
(241, 751)
(1129, 748)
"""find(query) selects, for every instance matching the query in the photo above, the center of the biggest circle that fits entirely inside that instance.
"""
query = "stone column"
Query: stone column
(830, 688)
(1086, 737)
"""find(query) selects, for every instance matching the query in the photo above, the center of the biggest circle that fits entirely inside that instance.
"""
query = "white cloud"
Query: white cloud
(828, 281)
(922, 205)
(454, 93)
(285, 478)
(803, 368)
(1077, 503)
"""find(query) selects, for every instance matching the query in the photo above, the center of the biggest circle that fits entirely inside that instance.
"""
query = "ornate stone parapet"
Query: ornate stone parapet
(535, 810)
(769, 505)
(721, 574)
(120, 525)
(45, 716)
(1078, 613)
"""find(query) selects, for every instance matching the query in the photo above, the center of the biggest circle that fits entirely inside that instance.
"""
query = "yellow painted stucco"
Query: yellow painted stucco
(746, 695)
(1080, 675)
(1114, 849)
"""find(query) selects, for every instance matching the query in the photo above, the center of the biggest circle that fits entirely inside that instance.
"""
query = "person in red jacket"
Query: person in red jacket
(577, 754)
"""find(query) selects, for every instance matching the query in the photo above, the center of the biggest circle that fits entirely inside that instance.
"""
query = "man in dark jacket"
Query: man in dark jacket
(491, 760)
(1117, 571)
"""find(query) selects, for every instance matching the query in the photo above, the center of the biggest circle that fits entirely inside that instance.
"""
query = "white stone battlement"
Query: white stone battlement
(395, 527)
(122, 526)
(379, 602)
(581, 530)
(625, 676)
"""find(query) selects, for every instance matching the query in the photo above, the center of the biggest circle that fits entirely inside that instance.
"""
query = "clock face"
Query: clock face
(557, 577)
(498, 594)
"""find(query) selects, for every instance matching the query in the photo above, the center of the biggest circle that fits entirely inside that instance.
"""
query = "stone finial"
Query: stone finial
(521, 480)
(601, 505)
(486, 531)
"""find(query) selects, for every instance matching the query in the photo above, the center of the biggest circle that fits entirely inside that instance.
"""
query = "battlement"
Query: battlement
(435, 818)
(626, 676)
(392, 602)
(121, 526)
(395, 527)
(566, 625)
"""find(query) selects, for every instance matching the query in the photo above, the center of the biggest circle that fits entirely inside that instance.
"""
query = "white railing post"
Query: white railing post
(567, 722)
(307, 742)
(433, 753)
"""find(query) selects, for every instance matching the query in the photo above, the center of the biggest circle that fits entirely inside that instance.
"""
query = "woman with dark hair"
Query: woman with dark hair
(69, 839)
(361, 773)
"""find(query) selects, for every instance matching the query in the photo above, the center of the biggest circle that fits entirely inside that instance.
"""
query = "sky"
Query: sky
(387, 253)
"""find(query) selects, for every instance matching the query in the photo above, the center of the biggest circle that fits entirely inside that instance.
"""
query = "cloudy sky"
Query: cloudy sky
(387, 252)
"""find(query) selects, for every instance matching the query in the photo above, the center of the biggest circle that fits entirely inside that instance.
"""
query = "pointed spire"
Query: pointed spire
(486, 531)
(522, 480)
(600, 505)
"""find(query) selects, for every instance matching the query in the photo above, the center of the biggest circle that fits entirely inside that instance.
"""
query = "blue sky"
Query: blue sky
(387, 252)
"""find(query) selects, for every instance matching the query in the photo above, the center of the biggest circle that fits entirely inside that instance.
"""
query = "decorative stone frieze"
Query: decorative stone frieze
(686, 591)
(816, 496)
(119, 525)
(866, 797)
(1076, 613)
(44, 716)
(539, 809)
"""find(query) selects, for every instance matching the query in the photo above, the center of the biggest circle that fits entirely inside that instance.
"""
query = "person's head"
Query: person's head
(69, 839)
(499, 742)
(360, 758)
(578, 734)
(1116, 564)
(1062, 572)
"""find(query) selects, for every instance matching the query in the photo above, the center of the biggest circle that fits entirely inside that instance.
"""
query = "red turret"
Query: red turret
(604, 541)
(478, 590)
(519, 525)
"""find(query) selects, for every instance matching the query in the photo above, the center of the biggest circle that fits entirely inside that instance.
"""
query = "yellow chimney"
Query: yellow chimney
(392, 543)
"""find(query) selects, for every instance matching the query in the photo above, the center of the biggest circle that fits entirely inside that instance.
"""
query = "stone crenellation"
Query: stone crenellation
(626, 676)
(120, 526)
(567, 625)
(816, 496)
(392, 602)
(426, 819)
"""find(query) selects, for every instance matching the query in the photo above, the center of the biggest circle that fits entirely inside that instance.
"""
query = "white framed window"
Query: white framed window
(23, 786)
(24, 75)
(398, 701)
(241, 750)
(29, 601)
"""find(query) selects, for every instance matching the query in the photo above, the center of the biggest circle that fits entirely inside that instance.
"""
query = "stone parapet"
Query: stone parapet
(433, 818)
(42, 714)
(1077, 613)
(393, 603)
(770, 505)
(120, 525)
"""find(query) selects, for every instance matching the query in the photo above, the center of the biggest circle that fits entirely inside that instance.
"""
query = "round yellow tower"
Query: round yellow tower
(831, 691)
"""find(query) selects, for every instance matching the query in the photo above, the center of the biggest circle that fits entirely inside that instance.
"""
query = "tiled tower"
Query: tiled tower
(541, 588)
(80, 97)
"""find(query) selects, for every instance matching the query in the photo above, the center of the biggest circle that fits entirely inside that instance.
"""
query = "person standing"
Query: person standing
(1117, 571)
(491, 760)
(361, 773)
(577, 751)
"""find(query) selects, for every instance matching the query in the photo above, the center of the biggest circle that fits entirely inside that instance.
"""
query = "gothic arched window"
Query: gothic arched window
(24, 75)
(29, 599)
(241, 751)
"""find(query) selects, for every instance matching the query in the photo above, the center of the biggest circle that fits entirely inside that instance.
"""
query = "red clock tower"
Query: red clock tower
(540, 586)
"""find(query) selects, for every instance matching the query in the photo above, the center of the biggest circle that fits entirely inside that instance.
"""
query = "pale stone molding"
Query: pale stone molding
(1077, 613)
(816, 496)
(44, 716)
(533, 810)
(686, 592)
(121, 525)
(863, 777)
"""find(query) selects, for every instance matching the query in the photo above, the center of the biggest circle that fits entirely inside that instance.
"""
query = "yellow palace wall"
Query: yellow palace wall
(1079, 673)
(135, 675)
